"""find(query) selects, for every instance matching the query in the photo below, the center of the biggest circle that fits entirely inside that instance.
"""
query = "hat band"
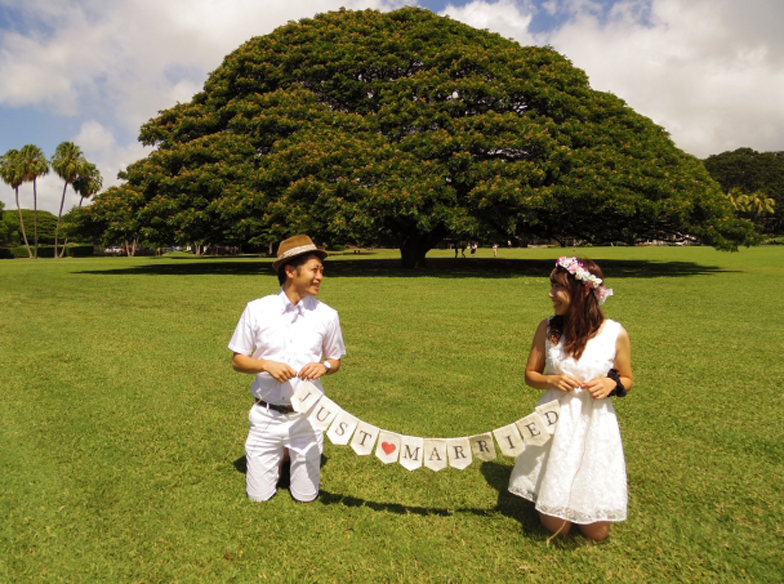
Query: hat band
(294, 251)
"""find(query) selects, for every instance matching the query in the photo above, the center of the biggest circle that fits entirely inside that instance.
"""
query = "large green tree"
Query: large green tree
(755, 175)
(409, 127)
(11, 174)
(34, 165)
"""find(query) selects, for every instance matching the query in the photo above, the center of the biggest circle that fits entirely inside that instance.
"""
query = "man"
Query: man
(285, 339)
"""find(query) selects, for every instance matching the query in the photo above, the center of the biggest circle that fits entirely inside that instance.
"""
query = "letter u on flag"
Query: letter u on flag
(323, 413)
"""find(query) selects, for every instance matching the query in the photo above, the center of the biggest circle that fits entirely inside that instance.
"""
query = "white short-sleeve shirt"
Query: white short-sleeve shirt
(273, 328)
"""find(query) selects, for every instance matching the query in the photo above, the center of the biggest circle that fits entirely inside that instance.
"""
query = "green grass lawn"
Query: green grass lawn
(122, 424)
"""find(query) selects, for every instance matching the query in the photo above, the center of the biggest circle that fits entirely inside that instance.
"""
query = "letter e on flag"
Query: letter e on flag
(533, 429)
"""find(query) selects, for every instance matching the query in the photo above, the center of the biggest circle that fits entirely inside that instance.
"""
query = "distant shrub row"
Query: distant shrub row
(46, 251)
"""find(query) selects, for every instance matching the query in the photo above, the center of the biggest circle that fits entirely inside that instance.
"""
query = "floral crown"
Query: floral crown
(576, 269)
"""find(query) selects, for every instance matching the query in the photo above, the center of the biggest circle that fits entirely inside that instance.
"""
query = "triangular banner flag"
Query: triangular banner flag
(436, 457)
(550, 412)
(364, 438)
(411, 452)
(305, 397)
(482, 446)
(342, 428)
(533, 429)
(322, 414)
(509, 440)
(388, 448)
(459, 450)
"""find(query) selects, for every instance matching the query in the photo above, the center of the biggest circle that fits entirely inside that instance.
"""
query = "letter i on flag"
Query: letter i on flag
(509, 440)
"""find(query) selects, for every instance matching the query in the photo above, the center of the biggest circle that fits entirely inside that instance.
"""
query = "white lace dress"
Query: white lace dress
(580, 474)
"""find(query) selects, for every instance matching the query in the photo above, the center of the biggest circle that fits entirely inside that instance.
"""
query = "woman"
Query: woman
(580, 358)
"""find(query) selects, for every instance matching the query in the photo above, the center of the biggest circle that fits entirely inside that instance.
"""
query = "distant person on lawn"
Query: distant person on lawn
(283, 340)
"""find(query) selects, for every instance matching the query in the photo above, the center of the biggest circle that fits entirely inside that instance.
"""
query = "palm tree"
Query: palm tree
(11, 174)
(68, 162)
(87, 184)
(34, 164)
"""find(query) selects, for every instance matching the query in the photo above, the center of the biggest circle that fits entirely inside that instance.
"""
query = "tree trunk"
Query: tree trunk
(35, 219)
(21, 224)
(57, 227)
(415, 245)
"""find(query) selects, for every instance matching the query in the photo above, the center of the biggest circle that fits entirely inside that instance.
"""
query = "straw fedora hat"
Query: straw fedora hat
(295, 246)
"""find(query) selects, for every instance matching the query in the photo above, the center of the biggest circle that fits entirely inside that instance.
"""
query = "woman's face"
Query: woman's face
(560, 297)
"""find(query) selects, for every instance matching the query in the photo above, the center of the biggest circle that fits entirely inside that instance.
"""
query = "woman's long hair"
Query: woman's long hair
(583, 318)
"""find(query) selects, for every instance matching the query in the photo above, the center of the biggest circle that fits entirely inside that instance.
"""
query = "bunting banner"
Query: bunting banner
(412, 452)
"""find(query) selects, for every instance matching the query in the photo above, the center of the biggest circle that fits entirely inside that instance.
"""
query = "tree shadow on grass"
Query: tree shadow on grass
(436, 268)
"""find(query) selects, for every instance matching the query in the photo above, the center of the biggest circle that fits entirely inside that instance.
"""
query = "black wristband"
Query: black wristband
(620, 390)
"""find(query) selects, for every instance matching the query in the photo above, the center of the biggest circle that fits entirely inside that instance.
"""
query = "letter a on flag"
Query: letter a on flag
(411, 452)
(436, 457)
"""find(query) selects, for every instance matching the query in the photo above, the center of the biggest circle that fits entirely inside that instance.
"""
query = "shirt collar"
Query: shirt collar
(287, 307)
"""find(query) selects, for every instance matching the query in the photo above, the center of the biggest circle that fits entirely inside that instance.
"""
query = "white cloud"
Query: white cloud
(508, 18)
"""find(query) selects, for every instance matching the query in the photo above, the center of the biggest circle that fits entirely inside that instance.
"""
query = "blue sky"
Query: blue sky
(91, 71)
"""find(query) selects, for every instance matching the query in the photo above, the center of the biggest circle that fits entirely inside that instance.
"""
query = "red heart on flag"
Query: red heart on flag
(387, 447)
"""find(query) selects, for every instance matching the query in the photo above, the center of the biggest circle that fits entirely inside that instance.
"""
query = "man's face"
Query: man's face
(306, 278)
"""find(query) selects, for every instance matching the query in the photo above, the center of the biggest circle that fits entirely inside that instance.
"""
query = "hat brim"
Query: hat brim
(277, 264)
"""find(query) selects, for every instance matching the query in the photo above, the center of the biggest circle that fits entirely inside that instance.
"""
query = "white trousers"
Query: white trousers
(270, 433)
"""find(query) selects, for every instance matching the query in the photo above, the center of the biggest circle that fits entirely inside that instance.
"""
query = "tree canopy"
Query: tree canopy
(408, 127)
(756, 175)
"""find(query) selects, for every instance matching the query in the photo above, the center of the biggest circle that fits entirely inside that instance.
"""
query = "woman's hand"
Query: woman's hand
(563, 382)
(599, 387)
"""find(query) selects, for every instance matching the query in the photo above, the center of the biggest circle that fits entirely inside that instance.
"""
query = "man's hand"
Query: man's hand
(312, 371)
(281, 372)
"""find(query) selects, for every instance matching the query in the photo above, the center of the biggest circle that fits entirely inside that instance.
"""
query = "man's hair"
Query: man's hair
(294, 262)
